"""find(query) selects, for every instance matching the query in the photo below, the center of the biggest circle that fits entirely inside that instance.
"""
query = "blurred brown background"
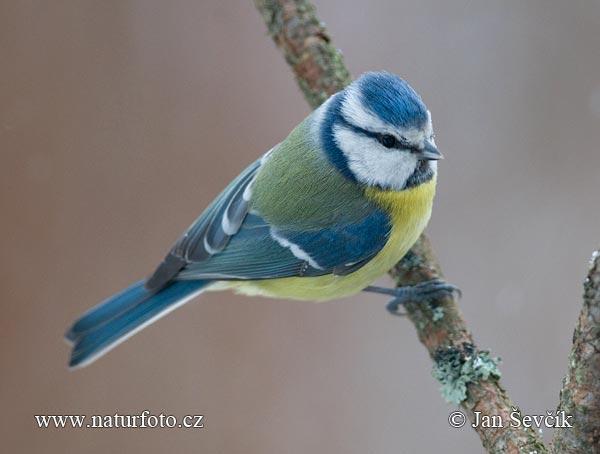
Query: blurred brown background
(121, 120)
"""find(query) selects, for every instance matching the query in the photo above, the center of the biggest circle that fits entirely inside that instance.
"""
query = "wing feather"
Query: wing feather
(210, 233)
(259, 251)
(231, 241)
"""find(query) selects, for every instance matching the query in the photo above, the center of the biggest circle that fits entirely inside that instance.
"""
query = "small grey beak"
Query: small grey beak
(429, 153)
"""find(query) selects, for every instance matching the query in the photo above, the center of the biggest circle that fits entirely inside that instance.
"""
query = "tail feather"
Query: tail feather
(107, 325)
(108, 310)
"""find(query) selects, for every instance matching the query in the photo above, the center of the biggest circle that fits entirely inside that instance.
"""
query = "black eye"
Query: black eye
(388, 140)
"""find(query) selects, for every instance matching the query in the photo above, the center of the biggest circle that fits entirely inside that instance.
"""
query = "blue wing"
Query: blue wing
(228, 242)
(261, 251)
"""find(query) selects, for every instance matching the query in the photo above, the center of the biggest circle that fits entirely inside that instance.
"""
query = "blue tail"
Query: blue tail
(113, 321)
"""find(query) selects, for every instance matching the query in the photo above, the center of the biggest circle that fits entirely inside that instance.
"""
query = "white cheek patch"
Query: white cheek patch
(373, 164)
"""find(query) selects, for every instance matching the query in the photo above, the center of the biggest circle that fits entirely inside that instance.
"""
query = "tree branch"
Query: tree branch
(318, 66)
(581, 387)
(467, 374)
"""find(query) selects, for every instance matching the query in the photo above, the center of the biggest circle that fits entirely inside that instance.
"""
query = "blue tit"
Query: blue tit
(321, 215)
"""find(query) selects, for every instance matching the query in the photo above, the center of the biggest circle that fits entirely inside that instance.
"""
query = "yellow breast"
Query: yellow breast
(409, 211)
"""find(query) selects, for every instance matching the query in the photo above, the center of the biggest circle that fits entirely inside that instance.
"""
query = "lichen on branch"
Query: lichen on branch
(580, 394)
(455, 371)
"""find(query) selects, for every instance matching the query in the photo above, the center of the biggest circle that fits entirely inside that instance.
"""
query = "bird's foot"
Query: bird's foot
(423, 292)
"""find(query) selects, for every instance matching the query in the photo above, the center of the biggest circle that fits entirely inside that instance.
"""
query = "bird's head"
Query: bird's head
(378, 132)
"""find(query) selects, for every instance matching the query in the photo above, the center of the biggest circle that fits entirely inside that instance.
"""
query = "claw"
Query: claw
(422, 292)
(393, 308)
(436, 286)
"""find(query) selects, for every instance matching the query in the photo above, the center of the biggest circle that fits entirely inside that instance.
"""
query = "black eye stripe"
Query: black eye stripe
(400, 144)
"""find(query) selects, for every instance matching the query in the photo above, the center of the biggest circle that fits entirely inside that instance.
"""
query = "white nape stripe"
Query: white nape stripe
(371, 163)
(316, 120)
(151, 320)
(295, 249)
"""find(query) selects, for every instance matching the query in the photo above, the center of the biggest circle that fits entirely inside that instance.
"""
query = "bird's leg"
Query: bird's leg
(423, 292)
